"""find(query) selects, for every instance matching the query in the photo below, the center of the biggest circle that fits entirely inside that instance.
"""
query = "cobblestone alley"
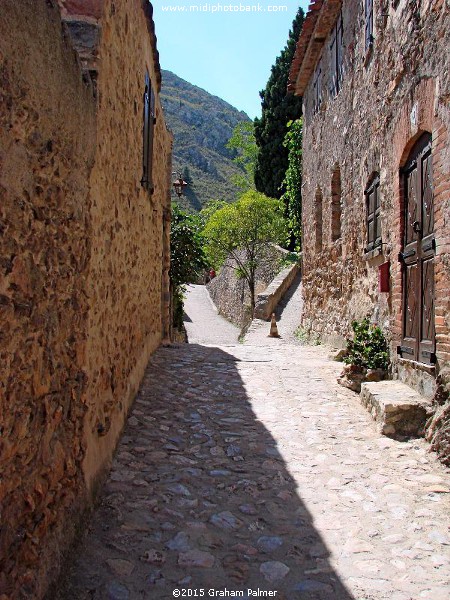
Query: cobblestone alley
(246, 467)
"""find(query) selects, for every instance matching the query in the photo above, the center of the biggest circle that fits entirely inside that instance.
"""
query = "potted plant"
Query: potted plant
(367, 355)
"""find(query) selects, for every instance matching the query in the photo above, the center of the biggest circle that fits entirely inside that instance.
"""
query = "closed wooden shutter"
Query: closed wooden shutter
(333, 71)
(339, 52)
(318, 87)
(336, 57)
(373, 212)
(148, 133)
(368, 23)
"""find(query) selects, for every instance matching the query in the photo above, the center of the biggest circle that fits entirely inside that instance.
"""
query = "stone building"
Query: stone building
(375, 81)
(85, 166)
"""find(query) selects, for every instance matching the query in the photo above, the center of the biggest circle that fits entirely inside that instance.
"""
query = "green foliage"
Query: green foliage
(178, 307)
(288, 260)
(243, 230)
(305, 337)
(278, 109)
(368, 349)
(292, 183)
(187, 258)
(243, 142)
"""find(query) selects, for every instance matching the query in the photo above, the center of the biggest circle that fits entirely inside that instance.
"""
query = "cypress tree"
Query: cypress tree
(277, 110)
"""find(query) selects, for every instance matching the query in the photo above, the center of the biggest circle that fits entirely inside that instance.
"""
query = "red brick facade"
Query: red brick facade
(374, 77)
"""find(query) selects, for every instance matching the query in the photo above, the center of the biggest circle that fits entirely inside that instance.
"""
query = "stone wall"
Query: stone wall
(231, 295)
(126, 278)
(390, 94)
(83, 261)
(47, 146)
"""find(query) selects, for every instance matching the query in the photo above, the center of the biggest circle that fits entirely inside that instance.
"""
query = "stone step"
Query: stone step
(398, 409)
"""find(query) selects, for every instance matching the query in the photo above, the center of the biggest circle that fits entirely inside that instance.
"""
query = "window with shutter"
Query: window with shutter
(318, 87)
(336, 57)
(373, 214)
(368, 23)
(148, 132)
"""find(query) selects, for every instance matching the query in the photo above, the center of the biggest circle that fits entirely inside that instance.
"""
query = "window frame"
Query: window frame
(373, 214)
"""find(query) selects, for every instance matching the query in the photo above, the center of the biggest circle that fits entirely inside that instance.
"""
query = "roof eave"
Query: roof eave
(321, 16)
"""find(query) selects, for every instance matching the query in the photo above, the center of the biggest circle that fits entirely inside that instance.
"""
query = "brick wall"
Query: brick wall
(83, 265)
(390, 94)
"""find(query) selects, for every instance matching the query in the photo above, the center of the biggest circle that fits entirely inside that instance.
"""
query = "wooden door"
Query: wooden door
(418, 341)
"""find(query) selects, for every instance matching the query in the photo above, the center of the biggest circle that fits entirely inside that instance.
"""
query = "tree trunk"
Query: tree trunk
(251, 285)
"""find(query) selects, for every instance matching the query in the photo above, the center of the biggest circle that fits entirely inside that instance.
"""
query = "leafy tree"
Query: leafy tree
(278, 109)
(187, 258)
(292, 184)
(244, 143)
(242, 231)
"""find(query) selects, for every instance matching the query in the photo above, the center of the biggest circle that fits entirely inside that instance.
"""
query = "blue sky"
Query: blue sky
(228, 53)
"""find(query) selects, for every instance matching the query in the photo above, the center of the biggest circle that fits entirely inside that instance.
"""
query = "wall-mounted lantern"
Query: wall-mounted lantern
(179, 184)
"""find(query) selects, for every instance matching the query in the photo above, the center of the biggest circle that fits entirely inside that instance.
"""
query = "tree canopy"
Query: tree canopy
(244, 143)
(242, 231)
(187, 258)
(278, 109)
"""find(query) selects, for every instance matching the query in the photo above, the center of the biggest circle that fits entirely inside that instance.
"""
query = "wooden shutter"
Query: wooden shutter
(333, 72)
(148, 130)
(318, 87)
(339, 52)
(373, 212)
(368, 23)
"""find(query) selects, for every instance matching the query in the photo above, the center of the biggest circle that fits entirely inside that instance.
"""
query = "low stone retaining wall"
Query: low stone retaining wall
(231, 295)
(267, 301)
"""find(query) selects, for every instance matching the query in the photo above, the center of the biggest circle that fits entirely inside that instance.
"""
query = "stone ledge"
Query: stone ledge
(398, 409)
(267, 301)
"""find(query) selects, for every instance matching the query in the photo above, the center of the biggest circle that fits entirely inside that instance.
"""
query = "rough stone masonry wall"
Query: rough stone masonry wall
(84, 263)
(231, 295)
(126, 279)
(47, 146)
(389, 97)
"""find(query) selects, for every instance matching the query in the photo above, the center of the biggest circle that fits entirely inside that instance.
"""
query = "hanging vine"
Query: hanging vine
(292, 183)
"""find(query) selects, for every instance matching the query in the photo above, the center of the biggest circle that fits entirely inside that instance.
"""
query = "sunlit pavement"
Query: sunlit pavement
(247, 467)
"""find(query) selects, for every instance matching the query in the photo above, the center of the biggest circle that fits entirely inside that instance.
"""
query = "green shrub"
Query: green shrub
(368, 349)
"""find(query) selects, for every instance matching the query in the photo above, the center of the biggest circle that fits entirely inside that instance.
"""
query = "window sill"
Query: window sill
(375, 256)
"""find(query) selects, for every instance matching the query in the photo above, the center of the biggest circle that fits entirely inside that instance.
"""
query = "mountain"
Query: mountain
(202, 124)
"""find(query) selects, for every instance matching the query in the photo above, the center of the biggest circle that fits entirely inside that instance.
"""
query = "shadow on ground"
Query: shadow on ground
(199, 497)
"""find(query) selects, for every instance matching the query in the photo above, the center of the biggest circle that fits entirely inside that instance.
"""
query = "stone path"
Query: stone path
(203, 324)
(288, 315)
(247, 467)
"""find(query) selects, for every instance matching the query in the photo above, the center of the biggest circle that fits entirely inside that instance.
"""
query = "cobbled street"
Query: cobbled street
(246, 467)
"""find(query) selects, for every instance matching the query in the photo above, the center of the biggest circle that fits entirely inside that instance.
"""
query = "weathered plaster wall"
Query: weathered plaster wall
(47, 142)
(389, 97)
(125, 279)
